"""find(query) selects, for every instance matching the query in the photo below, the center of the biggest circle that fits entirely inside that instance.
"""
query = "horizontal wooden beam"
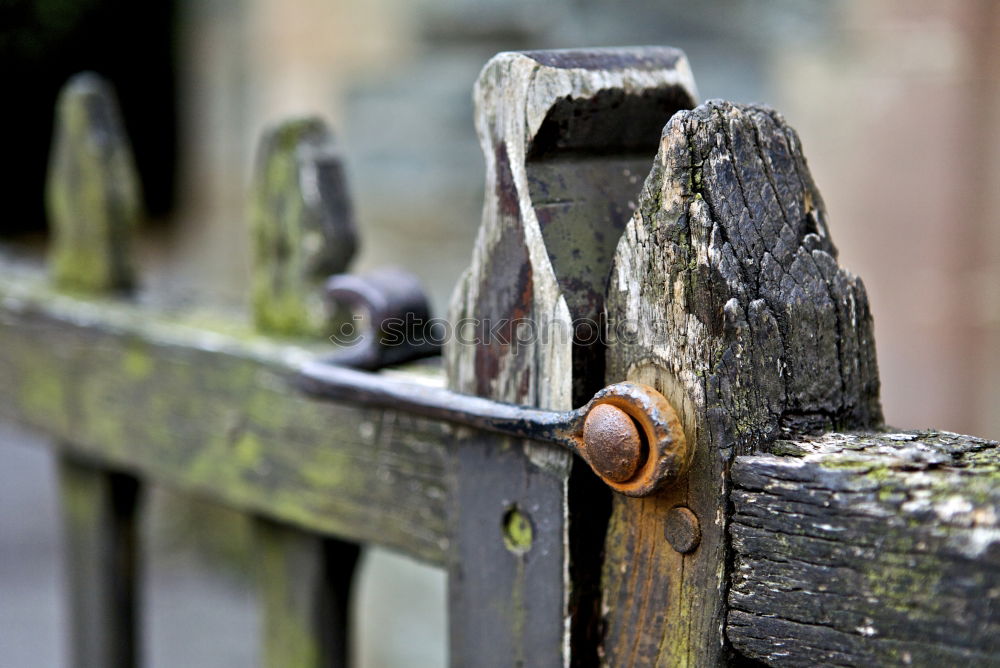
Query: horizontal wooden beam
(210, 411)
(868, 549)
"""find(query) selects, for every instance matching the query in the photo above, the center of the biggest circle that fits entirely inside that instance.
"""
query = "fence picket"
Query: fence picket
(93, 205)
(302, 231)
(567, 136)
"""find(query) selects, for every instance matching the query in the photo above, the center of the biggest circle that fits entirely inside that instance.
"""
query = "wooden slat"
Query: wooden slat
(94, 205)
(301, 225)
(302, 232)
(566, 135)
(868, 549)
(101, 554)
(727, 298)
(213, 414)
(306, 583)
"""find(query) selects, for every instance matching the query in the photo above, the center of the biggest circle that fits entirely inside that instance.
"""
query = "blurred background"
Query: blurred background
(897, 103)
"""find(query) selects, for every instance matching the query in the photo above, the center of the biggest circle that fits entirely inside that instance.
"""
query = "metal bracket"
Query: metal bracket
(394, 317)
(628, 433)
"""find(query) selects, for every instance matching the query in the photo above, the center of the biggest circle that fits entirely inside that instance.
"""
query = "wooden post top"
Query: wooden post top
(727, 297)
(302, 224)
(567, 137)
(93, 195)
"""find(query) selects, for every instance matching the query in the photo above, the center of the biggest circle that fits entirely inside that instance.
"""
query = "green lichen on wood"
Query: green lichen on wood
(93, 194)
(305, 586)
(745, 321)
(213, 414)
(517, 532)
(301, 225)
(872, 548)
(94, 205)
(289, 636)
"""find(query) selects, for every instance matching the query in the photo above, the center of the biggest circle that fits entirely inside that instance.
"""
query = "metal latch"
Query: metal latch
(628, 433)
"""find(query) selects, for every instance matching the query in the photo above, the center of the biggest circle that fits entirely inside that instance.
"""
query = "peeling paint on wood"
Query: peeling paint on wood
(782, 544)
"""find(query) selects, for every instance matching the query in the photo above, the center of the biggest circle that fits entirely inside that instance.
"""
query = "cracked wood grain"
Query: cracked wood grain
(725, 294)
(868, 549)
(566, 135)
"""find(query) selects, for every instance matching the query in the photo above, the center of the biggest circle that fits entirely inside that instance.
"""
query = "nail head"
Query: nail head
(682, 529)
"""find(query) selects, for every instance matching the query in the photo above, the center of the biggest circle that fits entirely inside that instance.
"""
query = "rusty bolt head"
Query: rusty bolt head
(614, 447)
(682, 529)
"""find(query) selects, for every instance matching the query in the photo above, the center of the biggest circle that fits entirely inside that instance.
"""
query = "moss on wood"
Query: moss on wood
(93, 194)
(868, 548)
(746, 323)
(214, 415)
(301, 225)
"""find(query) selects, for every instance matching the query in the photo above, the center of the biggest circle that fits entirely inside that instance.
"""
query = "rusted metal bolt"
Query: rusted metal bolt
(682, 529)
(614, 446)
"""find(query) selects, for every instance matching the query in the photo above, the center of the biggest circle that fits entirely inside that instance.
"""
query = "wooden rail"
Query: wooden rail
(214, 413)
(877, 549)
(804, 532)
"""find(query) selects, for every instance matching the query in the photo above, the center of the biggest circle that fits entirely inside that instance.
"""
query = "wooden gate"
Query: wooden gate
(628, 234)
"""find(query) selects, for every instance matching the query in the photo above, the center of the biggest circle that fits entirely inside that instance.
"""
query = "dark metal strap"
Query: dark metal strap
(628, 433)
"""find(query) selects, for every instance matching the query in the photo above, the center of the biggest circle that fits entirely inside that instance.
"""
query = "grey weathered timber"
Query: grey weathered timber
(567, 136)
(302, 226)
(94, 204)
(726, 296)
(100, 547)
(302, 231)
(93, 196)
(868, 549)
(208, 409)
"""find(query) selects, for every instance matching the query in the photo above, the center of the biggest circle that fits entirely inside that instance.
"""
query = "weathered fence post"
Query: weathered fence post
(726, 296)
(94, 203)
(302, 231)
(302, 227)
(567, 136)
(93, 195)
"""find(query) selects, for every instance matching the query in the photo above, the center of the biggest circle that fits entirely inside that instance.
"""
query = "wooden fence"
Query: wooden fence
(692, 243)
